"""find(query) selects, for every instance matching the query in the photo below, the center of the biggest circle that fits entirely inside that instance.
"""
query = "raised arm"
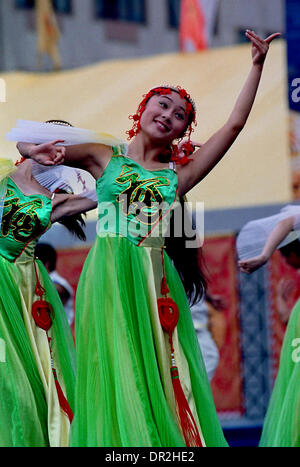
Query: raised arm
(90, 156)
(206, 158)
(282, 229)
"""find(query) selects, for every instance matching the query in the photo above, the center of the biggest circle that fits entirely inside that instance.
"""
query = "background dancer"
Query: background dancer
(282, 423)
(37, 362)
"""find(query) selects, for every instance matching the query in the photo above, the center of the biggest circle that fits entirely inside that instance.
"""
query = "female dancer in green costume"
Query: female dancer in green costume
(282, 423)
(37, 357)
(141, 379)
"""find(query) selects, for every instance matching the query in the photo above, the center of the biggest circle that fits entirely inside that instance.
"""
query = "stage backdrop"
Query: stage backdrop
(219, 253)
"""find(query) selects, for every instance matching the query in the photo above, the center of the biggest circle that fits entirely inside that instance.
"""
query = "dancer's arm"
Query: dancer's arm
(92, 157)
(65, 205)
(281, 230)
(205, 158)
(46, 154)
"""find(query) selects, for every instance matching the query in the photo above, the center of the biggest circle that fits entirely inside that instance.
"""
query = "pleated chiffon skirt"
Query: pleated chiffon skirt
(124, 393)
(30, 413)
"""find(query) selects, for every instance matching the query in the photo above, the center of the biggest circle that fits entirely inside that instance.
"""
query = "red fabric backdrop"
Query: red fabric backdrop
(279, 271)
(220, 257)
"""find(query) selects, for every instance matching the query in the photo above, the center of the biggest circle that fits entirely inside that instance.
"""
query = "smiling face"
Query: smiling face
(165, 117)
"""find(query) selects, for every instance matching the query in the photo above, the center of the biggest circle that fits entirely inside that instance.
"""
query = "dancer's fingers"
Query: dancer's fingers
(255, 41)
(270, 38)
(61, 150)
(58, 154)
(253, 34)
(57, 141)
(59, 158)
(245, 270)
(248, 266)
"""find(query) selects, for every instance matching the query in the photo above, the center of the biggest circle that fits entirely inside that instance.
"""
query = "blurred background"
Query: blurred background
(89, 62)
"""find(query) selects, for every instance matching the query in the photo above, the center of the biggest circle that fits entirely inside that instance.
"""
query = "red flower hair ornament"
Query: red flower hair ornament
(172, 152)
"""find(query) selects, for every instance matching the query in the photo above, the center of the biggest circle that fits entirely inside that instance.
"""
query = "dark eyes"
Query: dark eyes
(177, 114)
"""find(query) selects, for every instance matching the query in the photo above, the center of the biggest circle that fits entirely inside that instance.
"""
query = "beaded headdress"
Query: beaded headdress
(190, 109)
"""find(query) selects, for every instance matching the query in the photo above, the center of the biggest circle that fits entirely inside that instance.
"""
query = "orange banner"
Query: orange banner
(192, 26)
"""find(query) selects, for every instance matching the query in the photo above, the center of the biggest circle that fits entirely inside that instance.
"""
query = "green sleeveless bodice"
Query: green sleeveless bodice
(134, 202)
(25, 218)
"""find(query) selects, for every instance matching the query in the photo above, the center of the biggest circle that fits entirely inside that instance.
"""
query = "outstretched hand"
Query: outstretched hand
(250, 265)
(260, 46)
(49, 153)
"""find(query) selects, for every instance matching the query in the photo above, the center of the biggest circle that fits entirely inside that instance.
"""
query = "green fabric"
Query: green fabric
(132, 200)
(23, 410)
(282, 423)
(24, 219)
(120, 392)
(62, 345)
(23, 407)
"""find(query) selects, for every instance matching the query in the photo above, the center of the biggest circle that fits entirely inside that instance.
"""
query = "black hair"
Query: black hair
(59, 122)
(46, 253)
(188, 261)
(74, 223)
(293, 247)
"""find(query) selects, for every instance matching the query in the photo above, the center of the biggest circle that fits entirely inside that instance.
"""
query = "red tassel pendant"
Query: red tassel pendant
(62, 400)
(43, 314)
(169, 315)
(42, 311)
(187, 421)
(164, 287)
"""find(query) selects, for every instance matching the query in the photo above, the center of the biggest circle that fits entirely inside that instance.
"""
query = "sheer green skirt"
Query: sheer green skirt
(30, 415)
(282, 422)
(124, 394)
